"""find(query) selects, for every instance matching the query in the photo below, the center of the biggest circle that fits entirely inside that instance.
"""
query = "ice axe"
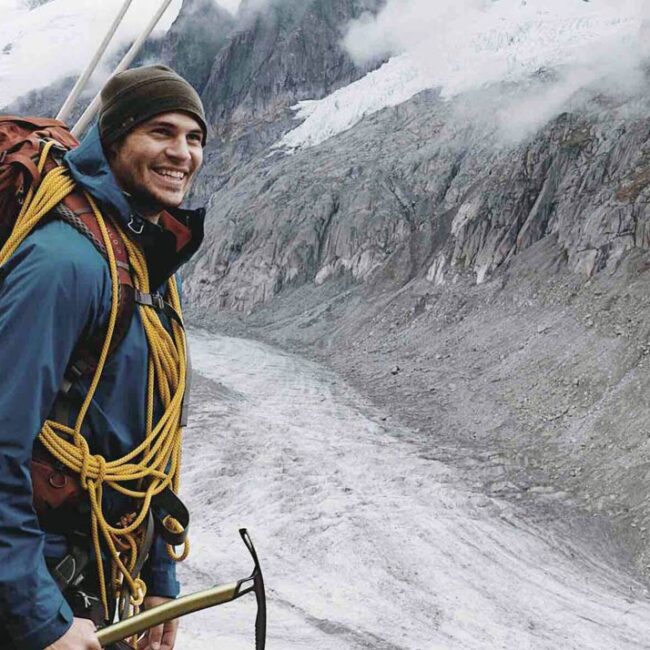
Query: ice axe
(218, 595)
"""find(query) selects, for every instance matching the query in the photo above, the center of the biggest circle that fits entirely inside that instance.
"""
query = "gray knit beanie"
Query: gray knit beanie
(133, 96)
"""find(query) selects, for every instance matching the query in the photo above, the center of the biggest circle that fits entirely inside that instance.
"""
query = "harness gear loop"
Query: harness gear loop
(152, 467)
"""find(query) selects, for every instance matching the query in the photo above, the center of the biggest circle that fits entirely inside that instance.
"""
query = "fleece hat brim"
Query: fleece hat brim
(134, 96)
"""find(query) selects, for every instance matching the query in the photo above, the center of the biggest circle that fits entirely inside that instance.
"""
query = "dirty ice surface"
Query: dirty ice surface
(364, 543)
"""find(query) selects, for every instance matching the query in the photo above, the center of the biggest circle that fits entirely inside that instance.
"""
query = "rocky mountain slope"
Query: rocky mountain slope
(289, 52)
(198, 34)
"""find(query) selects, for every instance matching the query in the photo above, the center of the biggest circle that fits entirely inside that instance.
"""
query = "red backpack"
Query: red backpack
(21, 143)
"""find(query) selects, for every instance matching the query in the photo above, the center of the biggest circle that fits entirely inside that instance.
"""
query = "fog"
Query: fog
(462, 46)
(55, 40)
(230, 5)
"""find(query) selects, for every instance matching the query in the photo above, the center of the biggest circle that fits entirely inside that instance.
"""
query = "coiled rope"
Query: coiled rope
(152, 466)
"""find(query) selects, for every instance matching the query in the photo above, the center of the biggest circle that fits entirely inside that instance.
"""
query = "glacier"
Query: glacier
(505, 42)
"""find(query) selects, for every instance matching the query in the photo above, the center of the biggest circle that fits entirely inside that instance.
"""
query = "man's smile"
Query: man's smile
(173, 174)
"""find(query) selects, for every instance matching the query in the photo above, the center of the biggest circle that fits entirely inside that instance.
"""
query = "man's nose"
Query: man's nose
(179, 149)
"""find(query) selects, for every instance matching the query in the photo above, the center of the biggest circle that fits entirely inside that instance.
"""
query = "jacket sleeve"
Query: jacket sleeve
(159, 572)
(46, 300)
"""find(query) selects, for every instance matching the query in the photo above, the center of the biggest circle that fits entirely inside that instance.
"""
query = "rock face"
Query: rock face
(394, 200)
(275, 58)
(190, 46)
(508, 282)
(279, 56)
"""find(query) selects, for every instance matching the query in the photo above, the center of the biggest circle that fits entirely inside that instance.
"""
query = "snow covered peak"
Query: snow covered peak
(461, 45)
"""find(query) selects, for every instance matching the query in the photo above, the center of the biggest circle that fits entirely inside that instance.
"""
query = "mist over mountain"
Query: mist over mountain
(466, 241)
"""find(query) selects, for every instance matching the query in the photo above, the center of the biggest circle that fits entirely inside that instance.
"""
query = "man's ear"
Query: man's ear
(111, 150)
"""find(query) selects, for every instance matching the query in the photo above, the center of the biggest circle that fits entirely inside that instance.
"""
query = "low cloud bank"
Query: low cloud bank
(462, 46)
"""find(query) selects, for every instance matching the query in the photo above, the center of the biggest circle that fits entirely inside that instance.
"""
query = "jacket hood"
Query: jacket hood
(90, 169)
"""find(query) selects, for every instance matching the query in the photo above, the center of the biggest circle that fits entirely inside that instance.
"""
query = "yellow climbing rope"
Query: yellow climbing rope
(154, 464)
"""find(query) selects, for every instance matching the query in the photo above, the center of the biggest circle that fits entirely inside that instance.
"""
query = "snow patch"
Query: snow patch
(394, 83)
(463, 46)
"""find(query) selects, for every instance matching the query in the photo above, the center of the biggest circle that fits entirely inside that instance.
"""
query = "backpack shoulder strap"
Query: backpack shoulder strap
(76, 211)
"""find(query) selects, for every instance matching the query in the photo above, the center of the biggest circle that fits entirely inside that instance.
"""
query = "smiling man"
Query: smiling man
(137, 163)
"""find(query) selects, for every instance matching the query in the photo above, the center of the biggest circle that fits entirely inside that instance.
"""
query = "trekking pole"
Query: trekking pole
(194, 602)
(92, 109)
(69, 103)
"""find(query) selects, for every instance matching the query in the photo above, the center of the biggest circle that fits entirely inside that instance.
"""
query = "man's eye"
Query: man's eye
(161, 132)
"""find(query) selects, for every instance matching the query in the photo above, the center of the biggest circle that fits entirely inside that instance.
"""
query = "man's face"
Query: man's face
(157, 160)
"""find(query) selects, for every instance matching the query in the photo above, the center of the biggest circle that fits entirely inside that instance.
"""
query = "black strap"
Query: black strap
(156, 301)
(73, 373)
(168, 504)
(69, 571)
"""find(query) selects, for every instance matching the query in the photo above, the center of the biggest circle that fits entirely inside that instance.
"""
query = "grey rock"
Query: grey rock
(286, 53)
(201, 29)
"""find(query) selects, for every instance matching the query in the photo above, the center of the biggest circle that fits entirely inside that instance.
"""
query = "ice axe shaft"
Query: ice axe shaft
(218, 595)
(69, 103)
(173, 609)
(92, 109)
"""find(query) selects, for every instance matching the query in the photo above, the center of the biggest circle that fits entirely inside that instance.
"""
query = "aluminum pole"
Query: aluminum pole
(91, 111)
(67, 107)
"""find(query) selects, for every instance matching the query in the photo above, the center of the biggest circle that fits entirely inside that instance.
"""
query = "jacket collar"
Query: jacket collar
(167, 246)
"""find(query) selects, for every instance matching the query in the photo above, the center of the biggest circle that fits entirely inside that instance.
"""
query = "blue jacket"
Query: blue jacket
(54, 290)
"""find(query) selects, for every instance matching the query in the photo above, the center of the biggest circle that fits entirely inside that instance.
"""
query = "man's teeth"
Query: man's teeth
(172, 174)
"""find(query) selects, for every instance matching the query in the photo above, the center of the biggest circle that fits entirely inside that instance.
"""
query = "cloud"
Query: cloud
(462, 46)
(57, 39)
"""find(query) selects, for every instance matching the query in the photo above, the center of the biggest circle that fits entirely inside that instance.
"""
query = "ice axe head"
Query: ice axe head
(255, 583)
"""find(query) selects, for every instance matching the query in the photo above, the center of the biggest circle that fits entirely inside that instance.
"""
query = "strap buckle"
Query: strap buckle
(154, 300)
(135, 225)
